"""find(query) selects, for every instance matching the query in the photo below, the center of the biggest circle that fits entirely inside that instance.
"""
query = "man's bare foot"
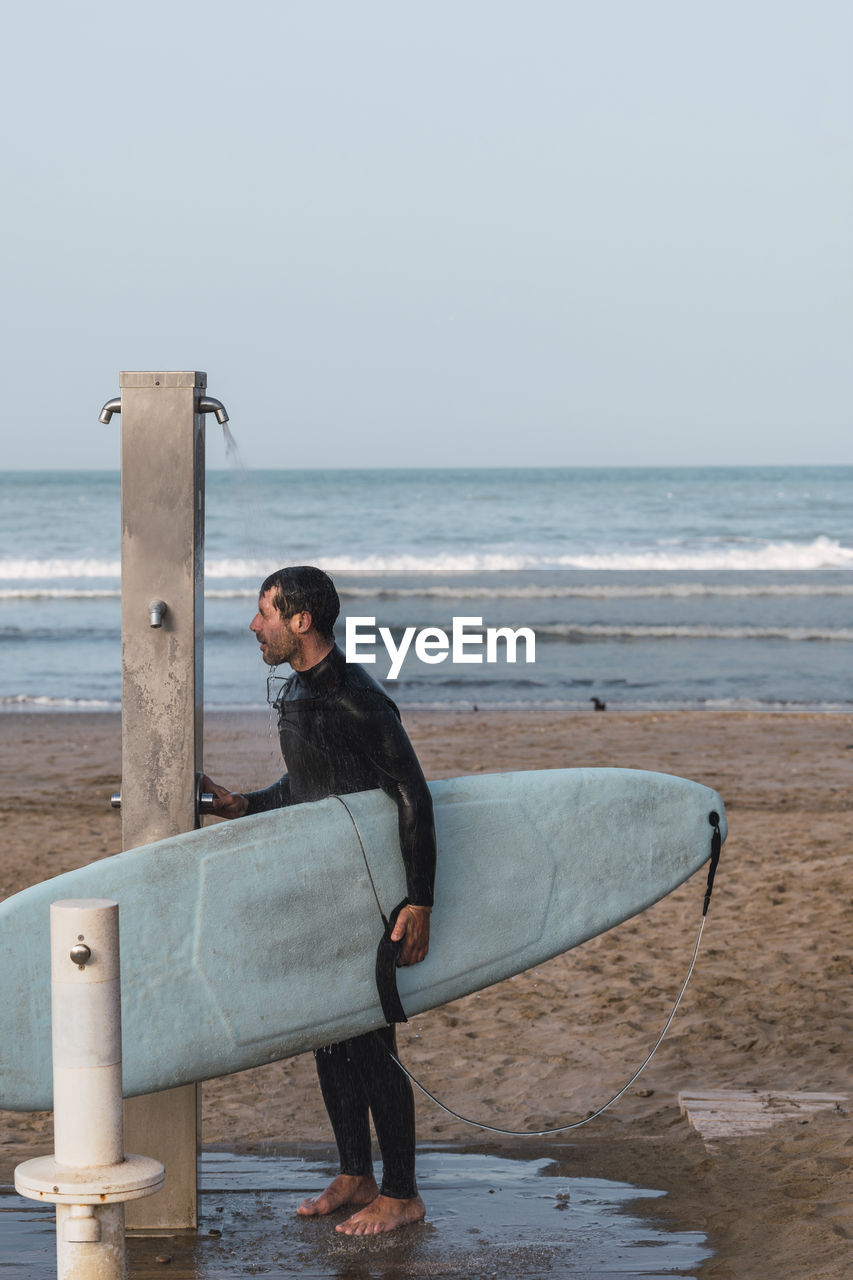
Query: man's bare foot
(383, 1214)
(347, 1188)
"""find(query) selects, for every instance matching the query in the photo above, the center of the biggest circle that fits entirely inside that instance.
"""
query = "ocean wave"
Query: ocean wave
(587, 591)
(689, 631)
(497, 590)
(418, 702)
(56, 570)
(778, 557)
(413, 696)
(821, 553)
(60, 593)
(635, 705)
(245, 573)
(43, 702)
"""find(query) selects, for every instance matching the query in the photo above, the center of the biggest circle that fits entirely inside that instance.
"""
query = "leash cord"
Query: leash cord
(364, 855)
(543, 1133)
(716, 843)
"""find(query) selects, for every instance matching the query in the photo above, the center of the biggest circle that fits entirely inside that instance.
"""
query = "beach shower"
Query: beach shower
(162, 619)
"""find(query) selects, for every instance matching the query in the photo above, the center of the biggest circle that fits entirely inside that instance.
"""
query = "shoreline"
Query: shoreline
(767, 1008)
(12, 707)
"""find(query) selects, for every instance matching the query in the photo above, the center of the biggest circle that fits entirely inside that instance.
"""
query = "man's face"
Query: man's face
(280, 638)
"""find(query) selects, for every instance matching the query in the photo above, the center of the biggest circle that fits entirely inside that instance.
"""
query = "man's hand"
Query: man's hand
(412, 928)
(226, 804)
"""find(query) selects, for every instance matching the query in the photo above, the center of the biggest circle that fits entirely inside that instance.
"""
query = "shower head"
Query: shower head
(111, 407)
(207, 404)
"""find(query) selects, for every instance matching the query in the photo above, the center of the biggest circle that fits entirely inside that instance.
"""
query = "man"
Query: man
(340, 733)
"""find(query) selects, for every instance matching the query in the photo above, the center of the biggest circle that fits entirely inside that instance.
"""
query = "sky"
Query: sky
(462, 233)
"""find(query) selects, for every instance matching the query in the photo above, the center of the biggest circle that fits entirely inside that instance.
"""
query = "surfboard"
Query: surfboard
(250, 941)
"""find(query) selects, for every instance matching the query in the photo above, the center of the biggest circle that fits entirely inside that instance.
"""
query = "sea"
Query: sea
(645, 588)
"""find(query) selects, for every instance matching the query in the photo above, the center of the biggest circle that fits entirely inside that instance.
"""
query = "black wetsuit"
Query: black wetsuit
(341, 733)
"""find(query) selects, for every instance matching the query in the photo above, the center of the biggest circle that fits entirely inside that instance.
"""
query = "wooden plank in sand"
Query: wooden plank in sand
(736, 1113)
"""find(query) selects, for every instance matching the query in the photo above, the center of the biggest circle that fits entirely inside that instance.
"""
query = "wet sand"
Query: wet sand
(768, 1007)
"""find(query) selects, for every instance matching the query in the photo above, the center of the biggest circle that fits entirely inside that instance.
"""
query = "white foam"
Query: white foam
(59, 593)
(24, 570)
(779, 557)
(617, 704)
(500, 588)
(22, 703)
(698, 631)
(821, 553)
(43, 702)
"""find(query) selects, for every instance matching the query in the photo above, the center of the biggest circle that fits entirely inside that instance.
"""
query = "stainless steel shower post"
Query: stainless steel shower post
(162, 613)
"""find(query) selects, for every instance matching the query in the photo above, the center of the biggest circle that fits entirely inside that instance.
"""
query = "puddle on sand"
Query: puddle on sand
(487, 1217)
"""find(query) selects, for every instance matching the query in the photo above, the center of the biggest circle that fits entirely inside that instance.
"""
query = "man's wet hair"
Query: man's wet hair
(302, 588)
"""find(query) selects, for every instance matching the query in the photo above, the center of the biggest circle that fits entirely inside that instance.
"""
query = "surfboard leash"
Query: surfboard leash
(387, 951)
(716, 847)
(363, 854)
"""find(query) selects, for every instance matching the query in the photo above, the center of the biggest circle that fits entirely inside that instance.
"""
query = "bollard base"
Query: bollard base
(45, 1179)
(93, 1248)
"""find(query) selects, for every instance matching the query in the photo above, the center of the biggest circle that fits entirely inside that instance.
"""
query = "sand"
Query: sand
(768, 1007)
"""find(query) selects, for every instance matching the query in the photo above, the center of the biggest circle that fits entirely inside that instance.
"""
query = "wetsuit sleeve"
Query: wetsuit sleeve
(274, 797)
(377, 727)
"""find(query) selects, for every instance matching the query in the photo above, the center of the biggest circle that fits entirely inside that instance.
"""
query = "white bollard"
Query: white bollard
(88, 1177)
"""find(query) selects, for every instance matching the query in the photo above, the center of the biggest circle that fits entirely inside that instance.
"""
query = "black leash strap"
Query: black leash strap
(386, 970)
(716, 846)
